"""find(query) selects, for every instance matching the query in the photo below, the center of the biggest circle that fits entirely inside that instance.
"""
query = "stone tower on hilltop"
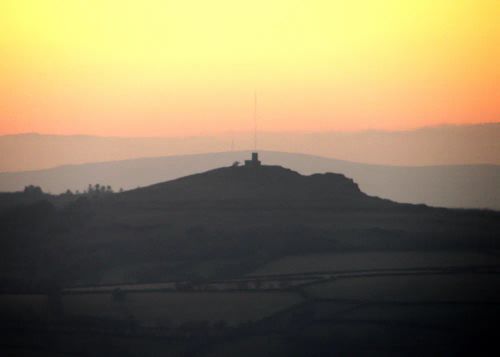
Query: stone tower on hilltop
(254, 162)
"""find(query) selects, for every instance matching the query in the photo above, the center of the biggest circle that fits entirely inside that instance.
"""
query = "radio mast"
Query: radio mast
(255, 120)
(254, 162)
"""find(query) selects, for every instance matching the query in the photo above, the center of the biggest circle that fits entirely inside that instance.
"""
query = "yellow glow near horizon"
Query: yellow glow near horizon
(154, 67)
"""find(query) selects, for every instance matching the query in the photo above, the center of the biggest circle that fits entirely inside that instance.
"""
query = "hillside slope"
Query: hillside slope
(223, 223)
(474, 186)
(262, 185)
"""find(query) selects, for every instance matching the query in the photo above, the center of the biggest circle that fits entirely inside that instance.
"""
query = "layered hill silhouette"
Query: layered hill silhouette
(466, 186)
(216, 243)
(441, 145)
(221, 223)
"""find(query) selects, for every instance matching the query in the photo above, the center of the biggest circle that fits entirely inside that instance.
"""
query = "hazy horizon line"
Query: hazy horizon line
(225, 133)
(245, 151)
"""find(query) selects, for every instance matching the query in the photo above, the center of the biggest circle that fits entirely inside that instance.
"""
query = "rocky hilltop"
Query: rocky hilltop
(265, 185)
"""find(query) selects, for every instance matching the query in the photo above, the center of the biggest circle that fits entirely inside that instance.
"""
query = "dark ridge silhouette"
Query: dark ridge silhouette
(464, 186)
(271, 184)
(244, 258)
(221, 224)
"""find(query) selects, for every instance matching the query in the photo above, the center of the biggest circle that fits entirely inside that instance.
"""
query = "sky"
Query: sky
(190, 68)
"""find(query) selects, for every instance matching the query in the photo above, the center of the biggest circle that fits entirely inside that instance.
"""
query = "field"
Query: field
(375, 260)
(438, 315)
(412, 288)
(23, 307)
(382, 278)
(155, 308)
(406, 313)
(178, 308)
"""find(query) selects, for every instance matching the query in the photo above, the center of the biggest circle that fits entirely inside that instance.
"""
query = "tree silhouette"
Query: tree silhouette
(33, 190)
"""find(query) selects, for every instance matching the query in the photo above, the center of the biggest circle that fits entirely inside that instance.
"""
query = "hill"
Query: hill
(304, 262)
(222, 223)
(263, 185)
(470, 186)
(429, 146)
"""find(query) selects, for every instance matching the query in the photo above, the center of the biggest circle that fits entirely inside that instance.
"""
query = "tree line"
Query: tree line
(91, 190)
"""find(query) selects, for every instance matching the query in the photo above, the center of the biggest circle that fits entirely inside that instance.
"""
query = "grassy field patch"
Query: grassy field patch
(374, 260)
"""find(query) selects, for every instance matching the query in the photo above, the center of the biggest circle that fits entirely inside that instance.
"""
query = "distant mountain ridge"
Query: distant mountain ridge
(470, 186)
(441, 145)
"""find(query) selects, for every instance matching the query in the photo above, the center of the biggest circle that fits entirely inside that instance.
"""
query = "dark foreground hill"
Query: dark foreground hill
(245, 261)
(222, 223)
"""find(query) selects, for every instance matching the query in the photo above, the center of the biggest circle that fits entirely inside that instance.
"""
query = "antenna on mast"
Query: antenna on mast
(254, 162)
(255, 120)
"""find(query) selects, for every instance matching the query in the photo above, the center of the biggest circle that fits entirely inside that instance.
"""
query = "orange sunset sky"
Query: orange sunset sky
(168, 68)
